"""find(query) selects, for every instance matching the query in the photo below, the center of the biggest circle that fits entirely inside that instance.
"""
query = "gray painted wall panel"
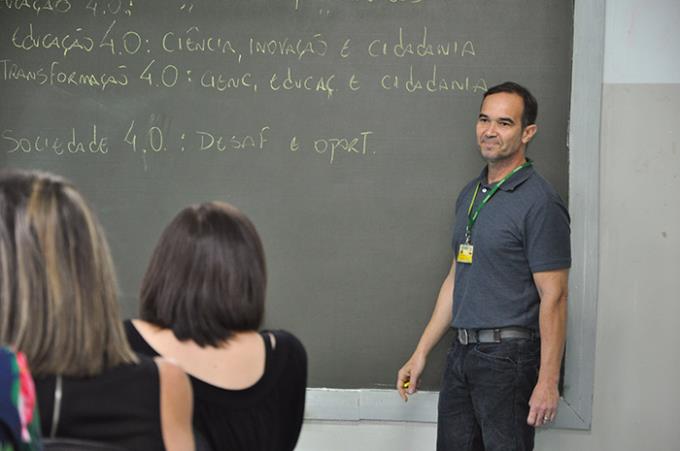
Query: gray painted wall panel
(637, 361)
(639, 32)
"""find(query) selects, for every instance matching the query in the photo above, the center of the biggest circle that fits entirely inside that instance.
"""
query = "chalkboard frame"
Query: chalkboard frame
(356, 211)
(575, 409)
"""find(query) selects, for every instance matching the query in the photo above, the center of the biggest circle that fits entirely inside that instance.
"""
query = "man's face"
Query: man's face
(499, 128)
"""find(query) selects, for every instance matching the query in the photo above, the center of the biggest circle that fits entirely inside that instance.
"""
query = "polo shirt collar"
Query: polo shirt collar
(513, 182)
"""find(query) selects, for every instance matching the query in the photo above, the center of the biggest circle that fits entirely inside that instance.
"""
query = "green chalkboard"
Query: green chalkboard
(344, 129)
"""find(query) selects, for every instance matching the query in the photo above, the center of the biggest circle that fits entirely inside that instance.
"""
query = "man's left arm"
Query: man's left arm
(552, 288)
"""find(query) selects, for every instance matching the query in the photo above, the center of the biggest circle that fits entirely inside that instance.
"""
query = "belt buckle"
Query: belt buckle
(463, 337)
(497, 336)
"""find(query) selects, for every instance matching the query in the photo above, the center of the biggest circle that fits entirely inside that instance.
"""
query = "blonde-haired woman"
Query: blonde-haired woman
(58, 306)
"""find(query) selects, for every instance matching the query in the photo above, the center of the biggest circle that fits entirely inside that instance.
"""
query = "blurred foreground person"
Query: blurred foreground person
(58, 305)
(202, 303)
(19, 421)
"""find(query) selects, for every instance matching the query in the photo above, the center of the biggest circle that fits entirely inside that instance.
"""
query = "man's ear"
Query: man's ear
(528, 133)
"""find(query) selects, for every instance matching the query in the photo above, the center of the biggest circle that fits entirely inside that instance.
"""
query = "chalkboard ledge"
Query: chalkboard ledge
(369, 404)
(331, 404)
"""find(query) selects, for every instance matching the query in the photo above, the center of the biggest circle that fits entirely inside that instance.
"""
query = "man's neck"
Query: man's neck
(499, 169)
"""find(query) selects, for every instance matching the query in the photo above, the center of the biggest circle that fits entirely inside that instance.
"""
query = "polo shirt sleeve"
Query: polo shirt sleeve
(547, 232)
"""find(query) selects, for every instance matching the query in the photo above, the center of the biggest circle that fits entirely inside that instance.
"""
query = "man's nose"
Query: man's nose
(490, 130)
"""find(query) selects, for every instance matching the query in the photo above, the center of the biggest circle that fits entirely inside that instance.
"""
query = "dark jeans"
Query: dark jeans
(484, 399)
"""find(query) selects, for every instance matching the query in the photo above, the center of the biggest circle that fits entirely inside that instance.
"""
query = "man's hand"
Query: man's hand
(436, 328)
(543, 404)
(552, 287)
(410, 373)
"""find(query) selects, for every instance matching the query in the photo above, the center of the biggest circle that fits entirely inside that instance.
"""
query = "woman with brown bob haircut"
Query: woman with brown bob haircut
(58, 305)
(202, 304)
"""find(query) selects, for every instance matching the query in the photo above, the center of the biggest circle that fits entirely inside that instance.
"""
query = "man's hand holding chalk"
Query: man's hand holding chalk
(408, 375)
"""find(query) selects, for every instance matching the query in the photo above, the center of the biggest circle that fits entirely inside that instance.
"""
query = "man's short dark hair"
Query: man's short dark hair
(530, 104)
(207, 276)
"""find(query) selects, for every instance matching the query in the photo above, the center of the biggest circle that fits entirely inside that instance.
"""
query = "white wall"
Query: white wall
(636, 393)
(641, 44)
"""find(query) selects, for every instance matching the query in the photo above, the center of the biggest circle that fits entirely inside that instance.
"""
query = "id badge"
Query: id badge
(465, 253)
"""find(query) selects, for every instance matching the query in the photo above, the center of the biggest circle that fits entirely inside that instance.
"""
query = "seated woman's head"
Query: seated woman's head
(58, 295)
(207, 276)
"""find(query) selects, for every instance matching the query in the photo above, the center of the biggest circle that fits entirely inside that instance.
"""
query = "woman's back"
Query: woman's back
(120, 406)
(266, 415)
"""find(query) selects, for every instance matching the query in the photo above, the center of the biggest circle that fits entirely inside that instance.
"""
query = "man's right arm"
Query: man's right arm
(436, 328)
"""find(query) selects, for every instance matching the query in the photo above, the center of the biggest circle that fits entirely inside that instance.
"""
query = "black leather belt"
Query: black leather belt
(467, 336)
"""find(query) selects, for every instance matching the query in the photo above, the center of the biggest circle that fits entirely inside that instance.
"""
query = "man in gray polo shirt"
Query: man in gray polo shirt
(506, 292)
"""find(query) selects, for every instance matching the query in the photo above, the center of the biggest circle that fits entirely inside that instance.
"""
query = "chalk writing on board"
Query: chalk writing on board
(103, 8)
(287, 46)
(129, 42)
(423, 79)
(354, 145)
(192, 42)
(55, 75)
(167, 75)
(38, 6)
(187, 7)
(421, 47)
(14, 71)
(109, 7)
(76, 141)
(294, 81)
(152, 139)
(223, 82)
(126, 43)
(345, 49)
(159, 139)
(116, 38)
(431, 81)
(213, 141)
(26, 38)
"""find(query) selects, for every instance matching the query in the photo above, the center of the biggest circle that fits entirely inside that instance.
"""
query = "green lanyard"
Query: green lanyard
(472, 218)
